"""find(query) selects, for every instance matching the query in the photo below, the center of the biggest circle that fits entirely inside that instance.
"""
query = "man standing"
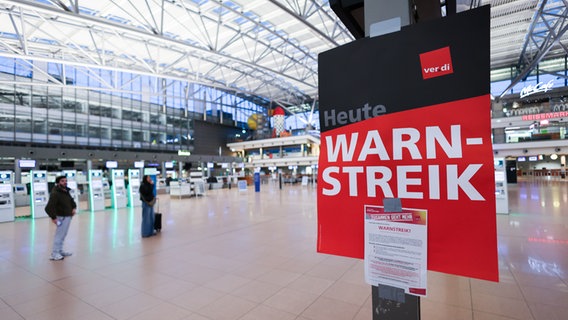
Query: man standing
(60, 208)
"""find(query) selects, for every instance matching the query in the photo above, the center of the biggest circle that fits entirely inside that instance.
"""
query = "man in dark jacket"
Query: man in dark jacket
(60, 208)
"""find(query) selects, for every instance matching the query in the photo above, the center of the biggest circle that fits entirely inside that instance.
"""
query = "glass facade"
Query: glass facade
(56, 104)
(70, 105)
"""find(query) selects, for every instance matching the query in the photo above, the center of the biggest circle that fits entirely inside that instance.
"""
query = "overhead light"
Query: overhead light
(554, 156)
(512, 128)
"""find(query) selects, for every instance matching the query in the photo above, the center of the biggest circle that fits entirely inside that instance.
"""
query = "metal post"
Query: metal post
(390, 303)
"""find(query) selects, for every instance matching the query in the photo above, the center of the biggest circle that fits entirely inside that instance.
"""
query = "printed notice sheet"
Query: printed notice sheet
(396, 248)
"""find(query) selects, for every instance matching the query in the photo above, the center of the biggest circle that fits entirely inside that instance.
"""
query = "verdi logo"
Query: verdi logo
(436, 63)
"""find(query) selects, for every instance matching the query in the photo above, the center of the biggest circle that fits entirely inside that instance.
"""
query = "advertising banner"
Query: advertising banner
(407, 115)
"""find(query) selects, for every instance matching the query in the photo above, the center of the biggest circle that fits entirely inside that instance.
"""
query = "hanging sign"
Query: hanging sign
(539, 87)
(407, 115)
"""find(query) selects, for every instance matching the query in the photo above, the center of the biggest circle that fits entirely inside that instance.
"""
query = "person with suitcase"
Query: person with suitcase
(148, 200)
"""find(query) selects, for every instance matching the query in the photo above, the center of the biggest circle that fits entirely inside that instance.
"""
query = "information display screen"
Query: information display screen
(111, 164)
(26, 163)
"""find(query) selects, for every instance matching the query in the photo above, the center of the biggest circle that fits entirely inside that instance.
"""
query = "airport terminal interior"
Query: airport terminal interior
(244, 255)
(218, 102)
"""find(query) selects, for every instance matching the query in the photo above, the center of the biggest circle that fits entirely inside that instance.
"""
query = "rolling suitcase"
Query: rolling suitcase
(158, 218)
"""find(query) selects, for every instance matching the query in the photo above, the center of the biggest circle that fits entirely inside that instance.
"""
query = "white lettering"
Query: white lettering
(410, 180)
(347, 151)
(331, 180)
(373, 182)
(373, 138)
(434, 181)
(539, 87)
(398, 143)
(404, 181)
(434, 134)
(455, 181)
(352, 172)
(382, 177)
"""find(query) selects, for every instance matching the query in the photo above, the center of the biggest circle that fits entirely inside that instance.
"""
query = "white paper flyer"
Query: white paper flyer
(396, 248)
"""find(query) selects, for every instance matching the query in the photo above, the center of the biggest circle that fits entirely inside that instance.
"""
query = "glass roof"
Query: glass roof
(265, 48)
(260, 47)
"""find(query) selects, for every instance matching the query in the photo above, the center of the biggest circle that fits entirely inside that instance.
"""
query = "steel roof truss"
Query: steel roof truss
(170, 66)
(22, 34)
(45, 73)
(539, 42)
(217, 18)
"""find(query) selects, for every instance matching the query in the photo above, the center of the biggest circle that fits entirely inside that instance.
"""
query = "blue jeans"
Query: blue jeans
(60, 233)
(147, 220)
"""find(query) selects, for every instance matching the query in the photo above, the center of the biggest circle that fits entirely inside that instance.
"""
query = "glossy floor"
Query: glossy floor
(247, 255)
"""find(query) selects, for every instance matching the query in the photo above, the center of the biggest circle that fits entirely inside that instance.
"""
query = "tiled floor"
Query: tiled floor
(247, 255)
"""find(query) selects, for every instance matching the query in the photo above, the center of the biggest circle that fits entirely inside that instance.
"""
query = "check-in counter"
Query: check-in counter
(180, 189)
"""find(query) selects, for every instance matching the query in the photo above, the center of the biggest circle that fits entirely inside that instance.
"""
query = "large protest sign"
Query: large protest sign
(407, 115)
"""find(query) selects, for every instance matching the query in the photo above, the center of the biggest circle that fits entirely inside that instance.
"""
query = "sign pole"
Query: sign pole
(391, 303)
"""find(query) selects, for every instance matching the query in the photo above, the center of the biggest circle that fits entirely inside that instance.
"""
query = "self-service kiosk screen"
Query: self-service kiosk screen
(5, 188)
(97, 184)
(499, 176)
(40, 186)
(72, 184)
(135, 182)
(119, 183)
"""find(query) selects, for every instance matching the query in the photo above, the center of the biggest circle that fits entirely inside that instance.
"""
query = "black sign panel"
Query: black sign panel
(422, 65)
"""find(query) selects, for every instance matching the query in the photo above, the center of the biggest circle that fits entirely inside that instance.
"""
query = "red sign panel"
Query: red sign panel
(439, 162)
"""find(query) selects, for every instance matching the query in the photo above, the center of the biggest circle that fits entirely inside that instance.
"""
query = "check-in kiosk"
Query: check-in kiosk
(39, 194)
(7, 207)
(119, 197)
(21, 196)
(72, 184)
(133, 188)
(501, 193)
(96, 191)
